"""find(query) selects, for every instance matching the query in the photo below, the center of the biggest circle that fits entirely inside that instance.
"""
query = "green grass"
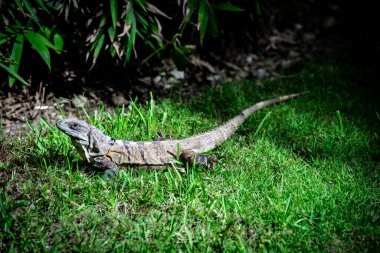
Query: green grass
(307, 179)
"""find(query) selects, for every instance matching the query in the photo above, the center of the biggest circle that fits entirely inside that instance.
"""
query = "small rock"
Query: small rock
(119, 99)
(213, 78)
(249, 59)
(309, 36)
(293, 54)
(157, 79)
(329, 22)
(178, 74)
(173, 80)
(260, 73)
(298, 26)
(79, 101)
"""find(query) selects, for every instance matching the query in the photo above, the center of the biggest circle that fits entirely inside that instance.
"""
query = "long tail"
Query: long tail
(209, 140)
(245, 113)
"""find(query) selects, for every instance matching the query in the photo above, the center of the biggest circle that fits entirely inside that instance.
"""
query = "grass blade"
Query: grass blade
(341, 127)
(262, 124)
(134, 106)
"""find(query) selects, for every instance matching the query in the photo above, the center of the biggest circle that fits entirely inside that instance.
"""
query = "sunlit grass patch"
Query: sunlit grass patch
(295, 177)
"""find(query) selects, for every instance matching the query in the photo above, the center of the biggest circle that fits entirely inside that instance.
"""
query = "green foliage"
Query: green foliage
(122, 30)
(21, 21)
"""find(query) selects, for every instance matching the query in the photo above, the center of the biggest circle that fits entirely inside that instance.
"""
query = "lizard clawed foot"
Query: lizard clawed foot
(107, 164)
(109, 174)
(190, 157)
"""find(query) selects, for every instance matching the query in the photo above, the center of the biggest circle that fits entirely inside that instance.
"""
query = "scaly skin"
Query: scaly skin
(100, 149)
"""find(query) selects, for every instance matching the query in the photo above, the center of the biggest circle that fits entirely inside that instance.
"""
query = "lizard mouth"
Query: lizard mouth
(62, 126)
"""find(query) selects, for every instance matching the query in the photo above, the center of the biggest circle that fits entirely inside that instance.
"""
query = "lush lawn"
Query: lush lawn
(303, 179)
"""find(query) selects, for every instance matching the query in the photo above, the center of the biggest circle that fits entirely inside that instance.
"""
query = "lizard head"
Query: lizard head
(88, 140)
(77, 129)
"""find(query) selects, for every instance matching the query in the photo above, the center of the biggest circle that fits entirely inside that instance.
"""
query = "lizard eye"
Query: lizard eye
(73, 125)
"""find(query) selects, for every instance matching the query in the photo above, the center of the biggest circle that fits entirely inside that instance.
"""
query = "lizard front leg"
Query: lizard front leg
(111, 168)
(191, 157)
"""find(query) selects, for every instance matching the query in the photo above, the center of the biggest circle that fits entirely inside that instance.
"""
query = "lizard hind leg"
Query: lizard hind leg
(190, 157)
(110, 167)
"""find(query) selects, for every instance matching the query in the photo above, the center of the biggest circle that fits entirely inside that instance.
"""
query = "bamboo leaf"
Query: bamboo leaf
(213, 24)
(131, 41)
(19, 5)
(113, 6)
(153, 9)
(32, 13)
(43, 6)
(111, 33)
(47, 42)
(17, 76)
(2, 41)
(202, 18)
(16, 57)
(258, 8)
(102, 22)
(227, 7)
(38, 42)
(139, 18)
(47, 32)
(58, 42)
(98, 47)
(130, 19)
(142, 4)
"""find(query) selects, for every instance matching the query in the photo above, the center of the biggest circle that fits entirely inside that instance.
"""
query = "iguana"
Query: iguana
(106, 152)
